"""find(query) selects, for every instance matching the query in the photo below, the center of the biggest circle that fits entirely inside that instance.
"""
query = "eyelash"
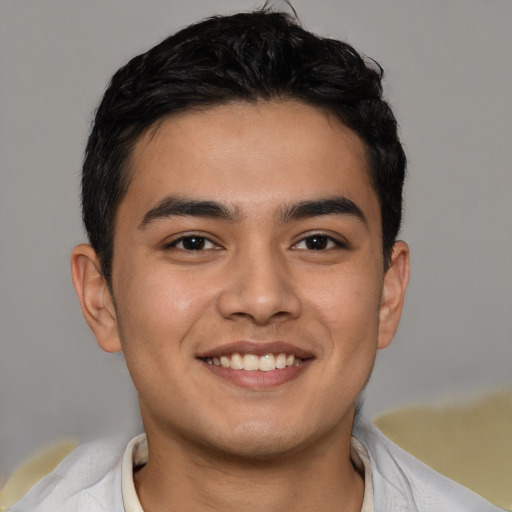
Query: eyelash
(330, 242)
(183, 239)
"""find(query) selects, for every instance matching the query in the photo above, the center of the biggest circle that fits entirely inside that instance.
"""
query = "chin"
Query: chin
(257, 448)
(259, 441)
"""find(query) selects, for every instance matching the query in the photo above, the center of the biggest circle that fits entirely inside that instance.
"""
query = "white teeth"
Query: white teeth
(237, 363)
(267, 363)
(281, 361)
(252, 362)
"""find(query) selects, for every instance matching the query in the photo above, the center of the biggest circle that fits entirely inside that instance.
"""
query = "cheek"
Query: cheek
(158, 306)
(156, 312)
(347, 304)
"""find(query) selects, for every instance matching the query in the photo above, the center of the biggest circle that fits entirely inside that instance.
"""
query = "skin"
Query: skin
(258, 278)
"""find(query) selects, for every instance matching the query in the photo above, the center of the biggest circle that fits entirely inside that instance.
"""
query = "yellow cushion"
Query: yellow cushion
(470, 443)
(39, 465)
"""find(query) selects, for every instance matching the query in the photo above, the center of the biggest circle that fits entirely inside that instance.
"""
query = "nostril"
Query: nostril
(261, 293)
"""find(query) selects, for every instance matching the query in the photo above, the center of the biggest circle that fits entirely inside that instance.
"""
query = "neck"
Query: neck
(182, 477)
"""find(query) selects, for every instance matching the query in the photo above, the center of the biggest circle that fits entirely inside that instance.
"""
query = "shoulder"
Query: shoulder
(403, 483)
(90, 476)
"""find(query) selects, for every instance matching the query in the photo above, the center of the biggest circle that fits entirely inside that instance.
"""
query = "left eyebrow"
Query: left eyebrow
(175, 206)
(338, 205)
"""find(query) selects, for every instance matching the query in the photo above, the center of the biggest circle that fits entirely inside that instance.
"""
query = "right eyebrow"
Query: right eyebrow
(336, 205)
(172, 206)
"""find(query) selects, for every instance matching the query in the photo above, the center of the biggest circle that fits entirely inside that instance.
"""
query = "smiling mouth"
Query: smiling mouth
(254, 362)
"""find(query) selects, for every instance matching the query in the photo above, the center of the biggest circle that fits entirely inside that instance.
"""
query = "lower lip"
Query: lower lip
(257, 379)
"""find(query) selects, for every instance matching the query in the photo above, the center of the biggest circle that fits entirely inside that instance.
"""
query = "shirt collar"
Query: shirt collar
(136, 455)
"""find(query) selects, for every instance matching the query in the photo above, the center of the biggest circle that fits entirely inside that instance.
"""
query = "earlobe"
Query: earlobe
(95, 297)
(393, 293)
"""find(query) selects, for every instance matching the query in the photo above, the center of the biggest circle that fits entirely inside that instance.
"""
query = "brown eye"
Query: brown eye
(318, 243)
(192, 243)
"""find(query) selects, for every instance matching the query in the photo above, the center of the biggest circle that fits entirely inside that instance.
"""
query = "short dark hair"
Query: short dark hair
(261, 55)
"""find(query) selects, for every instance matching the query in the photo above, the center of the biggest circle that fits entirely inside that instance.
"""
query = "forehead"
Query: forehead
(251, 155)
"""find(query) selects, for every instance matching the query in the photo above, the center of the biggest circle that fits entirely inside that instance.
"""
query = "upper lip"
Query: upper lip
(257, 348)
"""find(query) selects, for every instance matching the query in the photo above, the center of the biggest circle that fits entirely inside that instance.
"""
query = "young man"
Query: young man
(242, 193)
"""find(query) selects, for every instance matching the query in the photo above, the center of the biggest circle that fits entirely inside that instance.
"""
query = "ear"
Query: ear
(393, 293)
(95, 298)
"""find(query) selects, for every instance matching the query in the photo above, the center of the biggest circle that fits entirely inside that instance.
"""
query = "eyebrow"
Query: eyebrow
(173, 206)
(338, 205)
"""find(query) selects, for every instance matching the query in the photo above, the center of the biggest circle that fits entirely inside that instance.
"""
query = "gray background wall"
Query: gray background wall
(449, 78)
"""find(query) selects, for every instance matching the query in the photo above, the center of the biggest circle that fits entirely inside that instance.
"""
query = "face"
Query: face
(248, 282)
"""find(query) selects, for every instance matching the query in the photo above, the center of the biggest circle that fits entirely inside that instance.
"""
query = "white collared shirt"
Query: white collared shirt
(97, 476)
(136, 456)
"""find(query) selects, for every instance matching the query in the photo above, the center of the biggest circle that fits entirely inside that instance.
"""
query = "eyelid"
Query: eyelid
(336, 239)
(176, 239)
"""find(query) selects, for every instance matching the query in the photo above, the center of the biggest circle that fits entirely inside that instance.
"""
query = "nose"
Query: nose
(259, 288)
